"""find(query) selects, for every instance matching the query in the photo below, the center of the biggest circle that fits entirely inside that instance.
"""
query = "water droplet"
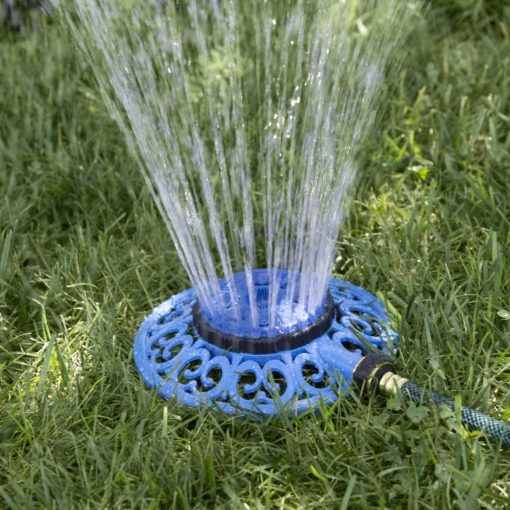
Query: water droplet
(361, 27)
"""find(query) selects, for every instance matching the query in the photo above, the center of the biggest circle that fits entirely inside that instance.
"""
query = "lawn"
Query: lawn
(84, 257)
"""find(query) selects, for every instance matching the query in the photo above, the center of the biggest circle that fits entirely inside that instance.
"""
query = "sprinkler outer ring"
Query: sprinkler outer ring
(267, 344)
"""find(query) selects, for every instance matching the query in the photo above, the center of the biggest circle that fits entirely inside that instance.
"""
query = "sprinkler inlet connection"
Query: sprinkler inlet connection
(376, 373)
(287, 363)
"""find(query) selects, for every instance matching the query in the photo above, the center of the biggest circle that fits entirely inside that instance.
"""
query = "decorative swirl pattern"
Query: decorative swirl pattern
(172, 357)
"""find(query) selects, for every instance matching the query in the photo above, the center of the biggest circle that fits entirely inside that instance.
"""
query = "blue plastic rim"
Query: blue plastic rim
(174, 359)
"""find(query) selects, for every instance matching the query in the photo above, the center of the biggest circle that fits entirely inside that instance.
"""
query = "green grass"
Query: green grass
(84, 257)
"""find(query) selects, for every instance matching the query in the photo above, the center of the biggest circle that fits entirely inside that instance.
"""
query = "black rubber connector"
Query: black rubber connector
(265, 345)
(370, 369)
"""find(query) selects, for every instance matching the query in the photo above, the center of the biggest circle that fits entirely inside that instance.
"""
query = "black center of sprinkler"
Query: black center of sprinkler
(265, 344)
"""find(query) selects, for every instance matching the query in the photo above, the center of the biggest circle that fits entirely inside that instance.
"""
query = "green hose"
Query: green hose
(377, 371)
(471, 419)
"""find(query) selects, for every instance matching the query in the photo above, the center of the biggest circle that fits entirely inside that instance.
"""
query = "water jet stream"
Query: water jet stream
(247, 119)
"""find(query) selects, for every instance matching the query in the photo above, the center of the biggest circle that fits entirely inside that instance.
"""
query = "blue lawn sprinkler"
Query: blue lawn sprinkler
(184, 352)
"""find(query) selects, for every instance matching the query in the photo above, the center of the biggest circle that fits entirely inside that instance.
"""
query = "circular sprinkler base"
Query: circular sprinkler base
(172, 357)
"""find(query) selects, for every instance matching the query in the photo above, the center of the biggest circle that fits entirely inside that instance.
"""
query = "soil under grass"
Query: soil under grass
(84, 257)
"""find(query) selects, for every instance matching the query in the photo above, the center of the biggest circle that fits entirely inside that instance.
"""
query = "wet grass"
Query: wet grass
(84, 257)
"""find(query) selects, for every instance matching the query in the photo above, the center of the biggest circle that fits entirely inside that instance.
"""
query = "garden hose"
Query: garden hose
(376, 372)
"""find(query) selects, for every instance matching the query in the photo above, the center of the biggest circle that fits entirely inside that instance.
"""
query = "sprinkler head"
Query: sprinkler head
(280, 324)
(286, 363)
